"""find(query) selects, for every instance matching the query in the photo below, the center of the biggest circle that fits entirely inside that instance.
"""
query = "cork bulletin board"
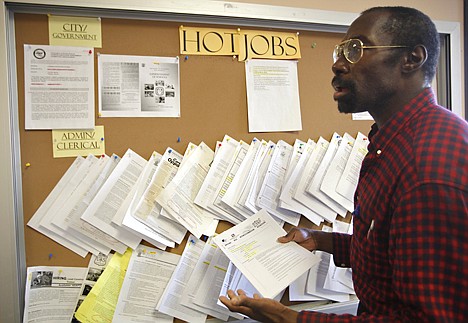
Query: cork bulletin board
(213, 103)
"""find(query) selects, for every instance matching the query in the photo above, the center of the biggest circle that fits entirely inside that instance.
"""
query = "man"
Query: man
(409, 249)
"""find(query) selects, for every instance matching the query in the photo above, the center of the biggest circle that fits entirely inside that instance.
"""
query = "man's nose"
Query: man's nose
(341, 66)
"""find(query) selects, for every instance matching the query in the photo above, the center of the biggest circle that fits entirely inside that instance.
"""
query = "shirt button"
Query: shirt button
(379, 152)
(343, 265)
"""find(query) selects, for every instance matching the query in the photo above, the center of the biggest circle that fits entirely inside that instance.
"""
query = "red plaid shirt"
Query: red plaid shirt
(409, 249)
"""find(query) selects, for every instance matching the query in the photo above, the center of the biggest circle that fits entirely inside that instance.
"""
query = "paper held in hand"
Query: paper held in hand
(270, 266)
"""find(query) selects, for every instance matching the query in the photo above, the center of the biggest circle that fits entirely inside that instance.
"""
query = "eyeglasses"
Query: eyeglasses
(353, 49)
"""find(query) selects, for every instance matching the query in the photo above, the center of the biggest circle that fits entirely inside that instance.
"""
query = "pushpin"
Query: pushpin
(186, 57)
(102, 139)
(233, 57)
(90, 51)
(313, 45)
(170, 151)
(28, 164)
(50, 256)
(178, 139)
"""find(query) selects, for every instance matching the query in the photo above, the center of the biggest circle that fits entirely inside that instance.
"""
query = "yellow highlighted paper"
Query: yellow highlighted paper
(99, 305)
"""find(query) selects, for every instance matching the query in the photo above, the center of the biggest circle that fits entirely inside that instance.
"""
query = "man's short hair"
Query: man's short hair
(411, 27)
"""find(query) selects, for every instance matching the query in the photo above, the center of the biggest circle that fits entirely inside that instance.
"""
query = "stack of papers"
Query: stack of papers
(111, 204)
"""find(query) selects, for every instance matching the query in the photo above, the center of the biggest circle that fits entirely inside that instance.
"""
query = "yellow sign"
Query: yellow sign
(75, 31)
(72, 143)
(244, 44)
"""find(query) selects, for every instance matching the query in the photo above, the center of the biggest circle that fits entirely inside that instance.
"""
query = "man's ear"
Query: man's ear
(415, 59)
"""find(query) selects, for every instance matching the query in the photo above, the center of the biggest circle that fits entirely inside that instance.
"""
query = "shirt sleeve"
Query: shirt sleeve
(429, 252)
(429, 249)
(341, 247)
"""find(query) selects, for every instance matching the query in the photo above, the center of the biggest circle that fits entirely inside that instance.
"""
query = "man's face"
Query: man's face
(370, 83)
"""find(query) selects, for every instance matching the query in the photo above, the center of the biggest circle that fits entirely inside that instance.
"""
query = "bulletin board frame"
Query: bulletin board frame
(195, 12)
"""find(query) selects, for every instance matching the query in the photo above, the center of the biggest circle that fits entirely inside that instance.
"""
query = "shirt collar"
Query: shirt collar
(378, 137)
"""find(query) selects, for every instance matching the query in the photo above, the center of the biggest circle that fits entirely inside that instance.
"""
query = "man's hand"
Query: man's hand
(304, 237)
(310, 239)
(258, 308)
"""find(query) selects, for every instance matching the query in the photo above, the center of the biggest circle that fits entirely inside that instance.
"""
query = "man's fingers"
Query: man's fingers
(241, 292)
(288, 237)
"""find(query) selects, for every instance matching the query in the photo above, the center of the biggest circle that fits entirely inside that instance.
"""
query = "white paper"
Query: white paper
(258, 177)
(318, 275)
(59, 87)
(193, 285)
(297, 290)
(217, 205)
(316, 280)
(349, 179)
(314, 186)
(148, 211)
(234, 191)
(272, 95)
(253, 248)
(340, 279)
(131, 223)
(169, 303)
(298, 149)
(82, 229)
(68, 212)
(178, 196)
(210, 287)
(62, 202)
(36, 219)
(270, 190)
(148, 274)
(51, 293)
(129, 204)
(290, 187)
(212, 187)
(110, 197)
(335, 171)
(305, 180)
(138, 86)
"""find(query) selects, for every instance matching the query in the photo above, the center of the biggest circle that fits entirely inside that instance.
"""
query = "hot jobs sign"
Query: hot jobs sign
(244, 44)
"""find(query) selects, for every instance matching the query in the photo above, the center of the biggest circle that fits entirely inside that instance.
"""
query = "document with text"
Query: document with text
(51, 293)
(268, 264)
(147, 276)
(58, 87)
(273, 95)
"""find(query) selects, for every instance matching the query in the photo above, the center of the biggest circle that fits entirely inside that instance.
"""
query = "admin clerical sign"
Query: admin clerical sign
(72, 143)
(244, 44)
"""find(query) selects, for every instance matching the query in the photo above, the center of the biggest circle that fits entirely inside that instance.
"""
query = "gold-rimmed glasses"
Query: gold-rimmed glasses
(353, 49)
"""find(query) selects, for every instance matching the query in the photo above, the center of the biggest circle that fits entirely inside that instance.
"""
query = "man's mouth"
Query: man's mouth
(340, 91)
(341, 88)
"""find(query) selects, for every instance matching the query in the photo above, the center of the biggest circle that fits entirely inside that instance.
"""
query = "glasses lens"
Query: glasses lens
(353, 50)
